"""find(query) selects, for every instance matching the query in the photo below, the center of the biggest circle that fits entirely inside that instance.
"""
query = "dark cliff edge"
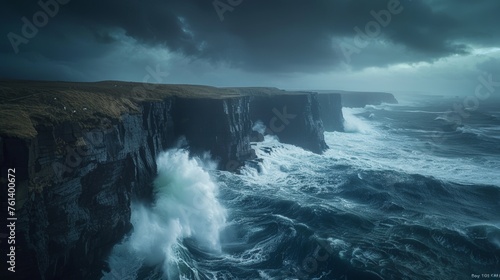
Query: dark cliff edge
(82, 152)
(288, 116)
(361, 99)
(331, 111)
(220, 126)
(331, 103)
(74, 188)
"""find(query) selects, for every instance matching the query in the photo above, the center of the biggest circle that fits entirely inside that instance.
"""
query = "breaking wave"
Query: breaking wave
(185, 207)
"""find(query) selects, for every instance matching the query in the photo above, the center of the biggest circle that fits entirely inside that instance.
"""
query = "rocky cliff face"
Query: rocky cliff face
(295, 119)
(331, 111)
(76, 203)
(219, 126)
(75, 185)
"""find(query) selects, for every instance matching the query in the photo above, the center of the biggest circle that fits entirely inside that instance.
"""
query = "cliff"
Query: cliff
(361, 99)
(331, 111)
(331, 103)
(288, 116)
(222, 127)
(83, 151)
(74, 188)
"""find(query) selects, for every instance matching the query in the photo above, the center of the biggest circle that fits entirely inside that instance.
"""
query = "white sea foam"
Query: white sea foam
(355, 124)
(185, 207)
(383, 151)
(369, 146)
(259, 127)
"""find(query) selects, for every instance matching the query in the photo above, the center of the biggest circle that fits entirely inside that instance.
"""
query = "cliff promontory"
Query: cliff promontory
(83, 151)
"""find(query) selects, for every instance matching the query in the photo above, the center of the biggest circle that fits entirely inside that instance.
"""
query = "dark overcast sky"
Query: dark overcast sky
(436, 46)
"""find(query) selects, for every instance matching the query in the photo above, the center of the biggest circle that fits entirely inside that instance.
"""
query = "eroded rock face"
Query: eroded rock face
(75, 185)
(295, 119)
(219, 126)
(331, 111)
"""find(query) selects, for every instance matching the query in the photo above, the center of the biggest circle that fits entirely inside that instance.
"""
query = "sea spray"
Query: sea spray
(185, 206)
(353, 123)
(371, 204)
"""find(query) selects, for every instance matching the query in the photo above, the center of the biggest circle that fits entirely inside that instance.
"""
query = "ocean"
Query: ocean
(408, 191)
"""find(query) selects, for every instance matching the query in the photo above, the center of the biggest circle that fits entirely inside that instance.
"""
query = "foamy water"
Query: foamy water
(185, 206)
(385, 200)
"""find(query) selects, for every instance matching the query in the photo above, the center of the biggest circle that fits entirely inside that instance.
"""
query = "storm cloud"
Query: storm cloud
(274, 37)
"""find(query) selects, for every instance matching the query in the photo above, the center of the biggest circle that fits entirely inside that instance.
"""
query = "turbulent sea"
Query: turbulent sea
(409, 191)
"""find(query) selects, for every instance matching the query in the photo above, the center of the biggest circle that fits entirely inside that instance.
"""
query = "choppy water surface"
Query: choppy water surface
(407, 192)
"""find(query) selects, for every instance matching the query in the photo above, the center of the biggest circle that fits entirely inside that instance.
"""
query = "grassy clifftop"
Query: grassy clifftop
(25, 104)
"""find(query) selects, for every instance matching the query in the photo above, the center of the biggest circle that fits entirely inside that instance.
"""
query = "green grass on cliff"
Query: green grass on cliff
(26, 104)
